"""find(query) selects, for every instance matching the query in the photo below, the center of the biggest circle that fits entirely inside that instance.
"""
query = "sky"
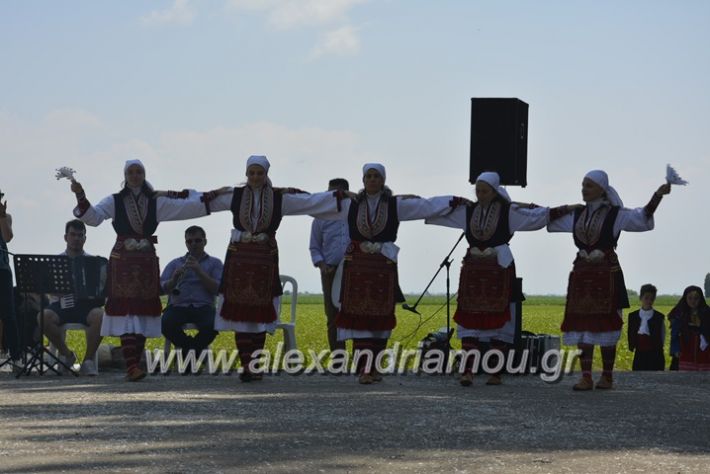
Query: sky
(192, 88)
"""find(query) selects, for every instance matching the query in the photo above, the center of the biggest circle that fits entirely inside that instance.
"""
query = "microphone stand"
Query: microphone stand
(444, 263)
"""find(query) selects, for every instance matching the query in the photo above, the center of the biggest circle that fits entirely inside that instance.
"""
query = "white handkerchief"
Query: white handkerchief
(703, 343)
(673, 178)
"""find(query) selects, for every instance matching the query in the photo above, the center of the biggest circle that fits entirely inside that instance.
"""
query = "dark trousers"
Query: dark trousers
(174, 317)
(7, 314)
(330, 310)
(649, 360)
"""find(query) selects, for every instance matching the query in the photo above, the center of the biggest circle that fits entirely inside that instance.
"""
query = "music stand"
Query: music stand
(43, 274)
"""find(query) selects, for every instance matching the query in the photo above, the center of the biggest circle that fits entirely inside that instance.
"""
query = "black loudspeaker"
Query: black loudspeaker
(499, 139)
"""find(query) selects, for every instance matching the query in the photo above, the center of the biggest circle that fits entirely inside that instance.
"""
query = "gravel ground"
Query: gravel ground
(650, 422)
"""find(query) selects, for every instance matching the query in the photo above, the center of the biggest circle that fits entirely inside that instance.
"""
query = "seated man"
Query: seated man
(64, 309)
(192, 283)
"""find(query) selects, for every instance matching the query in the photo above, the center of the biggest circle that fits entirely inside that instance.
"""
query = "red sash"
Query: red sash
(484, 294)
(368, 292)
(250, 282)
(133, 282)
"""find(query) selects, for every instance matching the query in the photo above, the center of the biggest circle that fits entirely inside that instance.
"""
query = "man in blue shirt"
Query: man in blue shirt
(192, 283)
(329, 240)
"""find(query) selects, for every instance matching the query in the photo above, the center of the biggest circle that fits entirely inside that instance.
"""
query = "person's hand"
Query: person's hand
(191, 263)
(179, 273)
(76, 187)
(664, 189)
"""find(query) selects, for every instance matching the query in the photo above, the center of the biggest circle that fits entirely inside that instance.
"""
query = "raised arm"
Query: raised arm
(410, 208)
(219, 199)
(94, 215)
(180, 208)
(641, 218)
(455, 217)
(527, 219)
(322, 205)
(562, 218)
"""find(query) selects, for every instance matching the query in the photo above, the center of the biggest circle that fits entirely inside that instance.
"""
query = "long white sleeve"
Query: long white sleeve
(223, 202)
(170, 209)
(98, 213)
(521, 219)
(456, 218)
(562, 224)
(633, 220)
(410, 209)
(316, 205)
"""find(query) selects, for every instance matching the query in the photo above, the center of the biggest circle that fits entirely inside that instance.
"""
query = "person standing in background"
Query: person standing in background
(329, 241)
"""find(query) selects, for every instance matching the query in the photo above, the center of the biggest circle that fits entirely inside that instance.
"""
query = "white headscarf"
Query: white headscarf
(602, 179)
(374, 166)
(491, 178)
(260, 160)
(130, 163)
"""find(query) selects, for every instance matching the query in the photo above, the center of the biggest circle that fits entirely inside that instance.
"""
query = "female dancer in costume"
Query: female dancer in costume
(133, 306)
(596, 292)
(370, 286)
(251, 287)
(487, 287)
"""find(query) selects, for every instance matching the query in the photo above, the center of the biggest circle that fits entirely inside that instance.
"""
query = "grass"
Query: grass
(541, 315)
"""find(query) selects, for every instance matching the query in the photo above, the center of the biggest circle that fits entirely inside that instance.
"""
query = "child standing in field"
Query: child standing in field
(647, 333)
(690, 330)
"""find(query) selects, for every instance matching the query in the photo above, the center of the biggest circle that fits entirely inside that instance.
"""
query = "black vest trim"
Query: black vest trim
(120, 221)
(275, 217)
(502, 234)
(389, 234)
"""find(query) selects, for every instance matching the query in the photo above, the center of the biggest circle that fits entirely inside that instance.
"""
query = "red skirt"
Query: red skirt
(368, 292)
(133, 282)
(593, 296)
(691, 357)
(485, 293)
(250, 282)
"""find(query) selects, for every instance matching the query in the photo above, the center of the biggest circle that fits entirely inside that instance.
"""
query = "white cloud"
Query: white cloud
(179, 13)
(340, 42)
(287, 14)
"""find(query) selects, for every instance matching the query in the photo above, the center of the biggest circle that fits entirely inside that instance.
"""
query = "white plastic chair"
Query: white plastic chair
(74, 327)
(289, 328)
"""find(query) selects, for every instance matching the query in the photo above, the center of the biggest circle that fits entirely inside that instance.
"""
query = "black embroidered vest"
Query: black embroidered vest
(121, 223)
(385, 231)
(602, 239)
(274, 208)
(488, 235)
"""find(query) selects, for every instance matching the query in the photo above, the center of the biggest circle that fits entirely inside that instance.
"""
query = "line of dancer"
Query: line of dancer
(250, 290)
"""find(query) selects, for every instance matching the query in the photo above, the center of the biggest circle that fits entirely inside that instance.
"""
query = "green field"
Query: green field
(541, 315)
